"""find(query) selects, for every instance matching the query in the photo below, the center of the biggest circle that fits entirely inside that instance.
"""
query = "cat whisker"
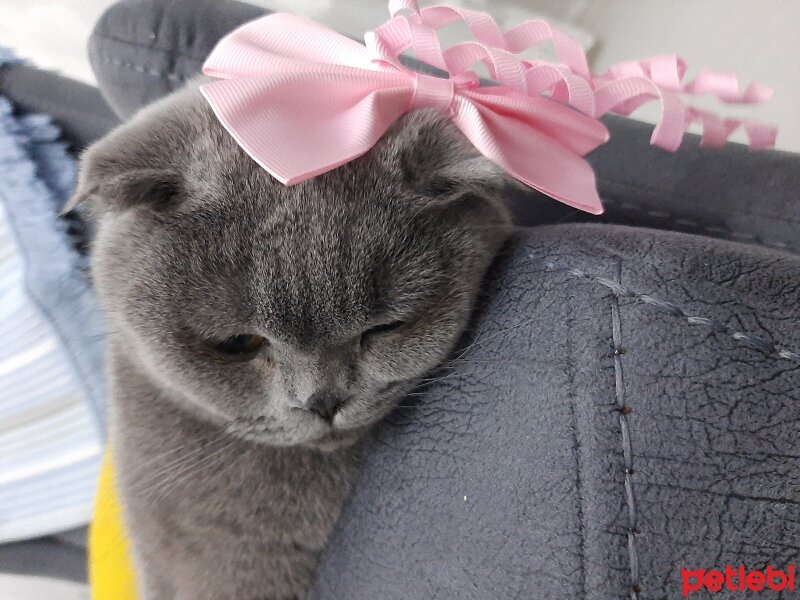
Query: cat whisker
(191, 469)
(155, 476)
(498, 334)
(173, 463)
(439, 379)
(187, 466)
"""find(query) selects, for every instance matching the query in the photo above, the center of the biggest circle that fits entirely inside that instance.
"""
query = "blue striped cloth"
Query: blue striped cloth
(51, 339)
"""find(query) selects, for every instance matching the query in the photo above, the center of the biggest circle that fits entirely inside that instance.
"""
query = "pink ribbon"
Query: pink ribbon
(301, 99)
(626, 86)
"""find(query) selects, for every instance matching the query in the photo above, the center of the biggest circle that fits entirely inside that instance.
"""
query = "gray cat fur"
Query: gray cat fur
(229, 487)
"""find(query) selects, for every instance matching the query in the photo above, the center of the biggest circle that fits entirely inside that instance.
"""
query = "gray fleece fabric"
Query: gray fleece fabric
(628, 406)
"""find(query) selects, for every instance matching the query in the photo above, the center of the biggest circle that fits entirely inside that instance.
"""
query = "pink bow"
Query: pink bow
(301, 99)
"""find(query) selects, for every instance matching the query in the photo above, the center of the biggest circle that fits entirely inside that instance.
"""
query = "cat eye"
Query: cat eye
(243, 346)
(379, 330)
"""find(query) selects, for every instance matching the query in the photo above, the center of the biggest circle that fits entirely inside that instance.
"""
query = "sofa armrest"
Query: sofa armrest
(141, 50)
(77, 108)
(627, 407)
(732, 193)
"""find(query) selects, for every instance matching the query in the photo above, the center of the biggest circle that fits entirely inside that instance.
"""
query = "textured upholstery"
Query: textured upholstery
(627, 403)
(627, 407)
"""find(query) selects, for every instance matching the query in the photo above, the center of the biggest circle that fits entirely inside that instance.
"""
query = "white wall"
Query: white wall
(758, 39)
(51, 33)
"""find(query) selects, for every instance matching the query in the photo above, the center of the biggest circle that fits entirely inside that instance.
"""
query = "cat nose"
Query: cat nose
(325, 404)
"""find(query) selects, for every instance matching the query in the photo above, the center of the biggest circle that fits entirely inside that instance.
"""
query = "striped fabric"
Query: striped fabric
(51, 341)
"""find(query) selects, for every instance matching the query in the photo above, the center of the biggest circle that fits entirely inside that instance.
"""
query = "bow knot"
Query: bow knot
(440, 93)
(433, 92)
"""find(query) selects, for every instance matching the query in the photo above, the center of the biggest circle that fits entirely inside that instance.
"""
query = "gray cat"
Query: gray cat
(258, 330)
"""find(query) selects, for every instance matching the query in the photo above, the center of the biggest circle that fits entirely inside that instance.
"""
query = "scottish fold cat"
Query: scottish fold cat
(258, 331)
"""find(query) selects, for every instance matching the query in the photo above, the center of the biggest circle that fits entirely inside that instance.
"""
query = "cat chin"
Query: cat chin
(335, 440)
(327, 440)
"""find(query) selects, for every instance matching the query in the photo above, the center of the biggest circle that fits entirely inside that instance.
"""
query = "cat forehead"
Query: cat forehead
(331, 249)
(323, 245)
(302, 266)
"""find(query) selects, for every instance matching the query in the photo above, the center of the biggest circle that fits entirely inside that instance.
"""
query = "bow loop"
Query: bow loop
(261, 46)
(345, 111)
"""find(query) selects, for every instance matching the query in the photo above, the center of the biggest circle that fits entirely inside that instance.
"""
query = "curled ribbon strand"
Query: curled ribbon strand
(623, 89)
(302, 99)
(626, 86)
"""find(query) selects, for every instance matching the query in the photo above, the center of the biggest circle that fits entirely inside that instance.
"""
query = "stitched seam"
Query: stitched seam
(660, 192)
(142, 69)
(623, 411)
(135, 44)
(721, 232)
(620, 291)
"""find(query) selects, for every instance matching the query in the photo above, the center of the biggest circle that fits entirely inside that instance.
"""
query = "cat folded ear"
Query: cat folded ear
(119, 172)
(155, 188)
(464, 176)
(438, 162)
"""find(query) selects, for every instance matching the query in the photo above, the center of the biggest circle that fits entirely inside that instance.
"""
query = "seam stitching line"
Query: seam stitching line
(716, 231)
(141, 69)
(755, 342)
(624, 412)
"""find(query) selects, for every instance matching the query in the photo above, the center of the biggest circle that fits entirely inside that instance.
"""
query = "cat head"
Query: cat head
(287, 314)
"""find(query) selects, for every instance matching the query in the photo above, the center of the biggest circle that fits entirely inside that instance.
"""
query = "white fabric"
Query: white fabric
(49, 444)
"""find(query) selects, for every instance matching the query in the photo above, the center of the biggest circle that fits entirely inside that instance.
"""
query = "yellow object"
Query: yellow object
(110, 567)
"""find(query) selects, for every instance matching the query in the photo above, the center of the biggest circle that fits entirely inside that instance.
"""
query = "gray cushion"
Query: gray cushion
(47, 557)
(77, 108)
(141, 50)
(731, 193)
(518, 475)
